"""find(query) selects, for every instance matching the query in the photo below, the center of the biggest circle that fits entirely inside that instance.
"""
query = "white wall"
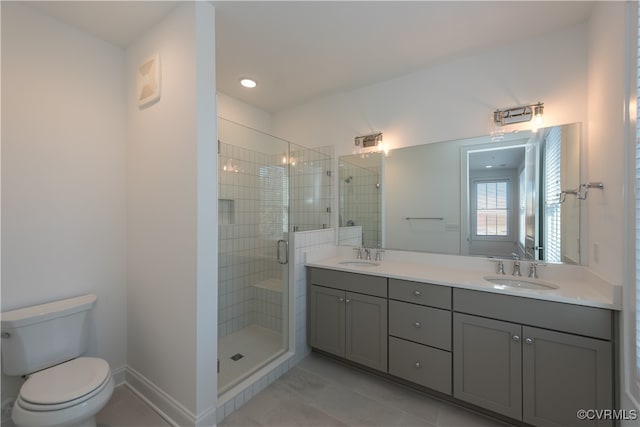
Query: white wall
(453, 100)
(605, 136)
(237, 111)
(63, 173)
(172, 216)
(607, 153)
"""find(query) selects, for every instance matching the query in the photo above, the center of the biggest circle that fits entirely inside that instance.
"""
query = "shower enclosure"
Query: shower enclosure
(257, 175)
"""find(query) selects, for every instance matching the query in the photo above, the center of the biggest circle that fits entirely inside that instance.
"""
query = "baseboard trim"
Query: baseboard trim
(119, 375)
(166, 406)
(207, 418)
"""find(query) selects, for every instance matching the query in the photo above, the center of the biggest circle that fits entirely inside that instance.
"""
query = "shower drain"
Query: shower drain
(236, 357)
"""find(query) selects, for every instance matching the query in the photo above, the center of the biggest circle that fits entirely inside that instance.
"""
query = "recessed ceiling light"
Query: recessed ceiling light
(488, 166)
(248, 83)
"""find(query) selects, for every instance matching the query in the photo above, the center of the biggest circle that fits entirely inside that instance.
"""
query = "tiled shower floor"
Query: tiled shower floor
(255, 343)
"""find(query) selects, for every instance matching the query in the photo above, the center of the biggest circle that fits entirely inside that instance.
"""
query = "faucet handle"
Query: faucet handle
(379, 253)
(533, 271)
(358, 252)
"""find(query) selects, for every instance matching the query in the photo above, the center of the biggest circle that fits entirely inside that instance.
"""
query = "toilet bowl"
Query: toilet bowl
(69, 394)
(44, 343)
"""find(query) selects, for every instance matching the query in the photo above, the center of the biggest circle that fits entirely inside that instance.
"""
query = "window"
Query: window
(492, 208)
(552, 231)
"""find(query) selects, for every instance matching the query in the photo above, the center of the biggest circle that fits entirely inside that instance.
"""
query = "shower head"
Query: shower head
(348, 180)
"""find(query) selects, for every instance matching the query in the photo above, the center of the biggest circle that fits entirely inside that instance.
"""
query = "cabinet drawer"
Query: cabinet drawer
(352, 282)
(420, 364)
(575, 319)
(420, 293)
(426, 325)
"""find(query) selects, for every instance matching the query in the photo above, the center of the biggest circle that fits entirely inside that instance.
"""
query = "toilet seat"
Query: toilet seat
(64, 385)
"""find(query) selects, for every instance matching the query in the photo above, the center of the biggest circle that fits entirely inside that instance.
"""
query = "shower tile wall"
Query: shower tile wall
(252, 216)
(310, 188)
(361, 201)
(252, 188)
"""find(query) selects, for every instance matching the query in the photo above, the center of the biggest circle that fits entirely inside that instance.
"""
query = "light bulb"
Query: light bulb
(538, 111)
(248, 83)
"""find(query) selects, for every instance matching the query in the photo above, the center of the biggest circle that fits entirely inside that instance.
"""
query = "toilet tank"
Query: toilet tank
(37, 337)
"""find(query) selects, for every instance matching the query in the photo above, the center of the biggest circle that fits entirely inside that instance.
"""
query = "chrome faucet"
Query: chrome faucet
(516, 268)
(367, 253)
(516, 265)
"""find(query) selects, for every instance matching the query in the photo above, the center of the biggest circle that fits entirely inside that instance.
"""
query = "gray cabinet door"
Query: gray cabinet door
(366, 330)
(487, 364)
(327, 320)
(563, 373)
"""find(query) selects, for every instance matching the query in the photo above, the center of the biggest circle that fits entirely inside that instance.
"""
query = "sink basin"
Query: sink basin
(510, 282)
(359, 263)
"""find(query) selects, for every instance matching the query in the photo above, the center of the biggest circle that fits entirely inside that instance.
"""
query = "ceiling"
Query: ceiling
(503, 158)
(301, 50)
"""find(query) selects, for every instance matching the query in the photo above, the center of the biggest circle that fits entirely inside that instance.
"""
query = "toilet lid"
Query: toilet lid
(67, 381)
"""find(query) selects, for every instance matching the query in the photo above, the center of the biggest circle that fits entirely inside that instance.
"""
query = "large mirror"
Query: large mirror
(499, 196)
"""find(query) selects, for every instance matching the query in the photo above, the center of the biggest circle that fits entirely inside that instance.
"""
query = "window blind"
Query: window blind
(553, 186)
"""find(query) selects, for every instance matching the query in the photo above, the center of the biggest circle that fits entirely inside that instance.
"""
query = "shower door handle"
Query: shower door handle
(286, 251)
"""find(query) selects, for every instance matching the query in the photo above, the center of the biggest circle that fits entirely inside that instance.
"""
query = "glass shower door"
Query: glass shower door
(253, 217)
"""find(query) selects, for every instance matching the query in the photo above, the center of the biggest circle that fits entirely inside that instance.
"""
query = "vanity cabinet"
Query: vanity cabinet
(504, 361)
(532, 360)
(345, 323)
(420, 333)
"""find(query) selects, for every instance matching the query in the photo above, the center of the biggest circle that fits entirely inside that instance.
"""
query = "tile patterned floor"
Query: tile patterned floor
(318, 392)
(322, 392)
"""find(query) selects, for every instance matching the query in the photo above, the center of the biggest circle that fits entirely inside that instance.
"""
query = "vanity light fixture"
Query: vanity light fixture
(367, 141)
(366, 145)
(248, 83)
(520, 114)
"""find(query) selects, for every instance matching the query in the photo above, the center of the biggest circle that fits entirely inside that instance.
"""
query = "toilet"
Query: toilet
(45, 344)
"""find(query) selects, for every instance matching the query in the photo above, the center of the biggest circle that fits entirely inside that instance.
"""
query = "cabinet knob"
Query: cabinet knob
(347, 301)
(529, 340)
(340, 299)
(417, 293)
(417, 324)
(516, 338)
(418, 365)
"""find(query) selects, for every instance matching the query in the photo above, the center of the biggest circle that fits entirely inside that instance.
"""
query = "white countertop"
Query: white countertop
(576, 284)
